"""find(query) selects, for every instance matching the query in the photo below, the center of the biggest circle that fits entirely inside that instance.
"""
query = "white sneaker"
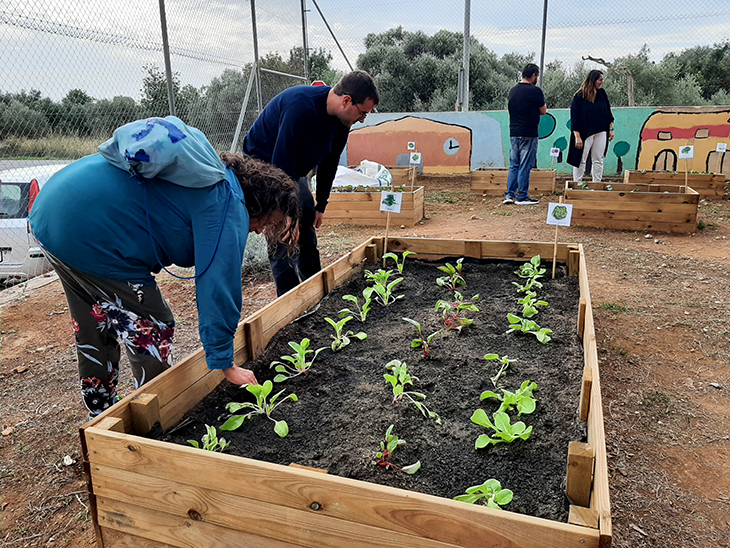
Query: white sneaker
(508, 200)
(527, 201)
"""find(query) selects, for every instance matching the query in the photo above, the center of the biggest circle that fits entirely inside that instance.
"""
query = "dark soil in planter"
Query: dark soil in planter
(345, 405)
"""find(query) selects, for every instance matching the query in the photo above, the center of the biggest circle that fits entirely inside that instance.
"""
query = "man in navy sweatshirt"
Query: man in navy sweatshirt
(303, 128)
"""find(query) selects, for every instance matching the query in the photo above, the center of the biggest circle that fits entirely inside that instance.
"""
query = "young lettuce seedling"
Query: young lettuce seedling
(522, 399)
(360, 312)
(211, 441)
(528, 326)
(504, 432)
(342, 339)
(454, 277)
(402, 262)
(261, 407)
(530, 303)
(387, 447)
(453, 312)
(399, 380)
(529, 284)
(297, 363)
(531, 269)
(505, 364)
(492, 493)
(381, 289)
(420, 342)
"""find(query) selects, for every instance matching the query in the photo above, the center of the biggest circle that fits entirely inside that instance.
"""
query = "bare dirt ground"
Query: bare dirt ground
(661, 307)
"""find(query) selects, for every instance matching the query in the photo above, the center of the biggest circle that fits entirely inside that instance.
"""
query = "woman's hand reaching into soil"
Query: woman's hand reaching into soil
(238, 375)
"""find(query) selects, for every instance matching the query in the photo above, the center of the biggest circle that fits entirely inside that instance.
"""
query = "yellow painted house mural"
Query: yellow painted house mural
(668, 129)
(446, 148)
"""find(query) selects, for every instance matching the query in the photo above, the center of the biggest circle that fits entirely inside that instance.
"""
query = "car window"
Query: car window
(13, 201)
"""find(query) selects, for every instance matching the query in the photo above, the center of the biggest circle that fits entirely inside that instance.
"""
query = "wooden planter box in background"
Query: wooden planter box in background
(710, 186)
(663, 208)
(150, 493)
(363, 208)
(493, 181)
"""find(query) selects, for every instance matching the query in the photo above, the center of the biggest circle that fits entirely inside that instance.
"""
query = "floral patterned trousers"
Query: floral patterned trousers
(105, 312)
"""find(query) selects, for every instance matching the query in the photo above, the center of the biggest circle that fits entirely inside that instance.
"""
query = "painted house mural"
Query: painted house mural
(459, 142)
(668, 129)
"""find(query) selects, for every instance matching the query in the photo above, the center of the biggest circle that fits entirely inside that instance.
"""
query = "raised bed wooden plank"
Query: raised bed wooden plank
(391, 509)
(181, 501)
(349, 502)
(125, 540)
(711, 186)
(363, 208)
(600, 497)
(437, 248)
(634, 207)
(493, 181)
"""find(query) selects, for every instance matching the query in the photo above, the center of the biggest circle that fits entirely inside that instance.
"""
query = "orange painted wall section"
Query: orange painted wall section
(383, 143)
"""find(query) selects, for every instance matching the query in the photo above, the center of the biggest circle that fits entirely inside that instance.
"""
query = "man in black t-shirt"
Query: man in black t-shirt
(526, 105)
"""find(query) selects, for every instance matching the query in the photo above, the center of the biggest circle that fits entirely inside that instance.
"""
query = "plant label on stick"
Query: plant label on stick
(415, 158)
(554, 152)
(686, 152)
(721, 147)
(391, 201)
(411, 145)
(559, 214)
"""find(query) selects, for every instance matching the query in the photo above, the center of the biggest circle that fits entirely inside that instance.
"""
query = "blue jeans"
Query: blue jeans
(522, 155)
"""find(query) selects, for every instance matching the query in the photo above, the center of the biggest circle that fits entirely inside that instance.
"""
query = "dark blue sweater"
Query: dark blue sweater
(295, 133)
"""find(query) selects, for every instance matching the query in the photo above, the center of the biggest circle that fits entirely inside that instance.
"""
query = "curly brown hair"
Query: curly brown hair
(267, 189)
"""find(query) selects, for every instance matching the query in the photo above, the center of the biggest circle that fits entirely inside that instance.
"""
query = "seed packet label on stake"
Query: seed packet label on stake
(415, 158)
(686, 151)
(721, 147)
(411, 145)
(391, 201)
(554, 152)
(559, 214)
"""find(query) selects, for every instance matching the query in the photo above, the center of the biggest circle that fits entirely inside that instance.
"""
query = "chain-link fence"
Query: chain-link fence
(71, 72)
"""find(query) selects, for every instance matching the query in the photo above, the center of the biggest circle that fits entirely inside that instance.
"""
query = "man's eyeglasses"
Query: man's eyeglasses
(363, 115)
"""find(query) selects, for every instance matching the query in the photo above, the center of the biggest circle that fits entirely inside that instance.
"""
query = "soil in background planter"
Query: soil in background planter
(345, 405)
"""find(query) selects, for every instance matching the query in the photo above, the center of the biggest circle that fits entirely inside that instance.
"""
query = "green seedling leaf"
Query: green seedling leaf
(490, 492)
(387, 447)
(263, 406)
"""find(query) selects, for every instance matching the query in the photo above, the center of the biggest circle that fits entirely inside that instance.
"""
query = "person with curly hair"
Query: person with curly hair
(591, 124)
(107, 234)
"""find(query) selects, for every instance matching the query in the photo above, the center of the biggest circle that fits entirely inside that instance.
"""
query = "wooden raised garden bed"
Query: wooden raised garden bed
(710, 186)
(145, 492)
(362, 207)
(493, 181)
(663, 208)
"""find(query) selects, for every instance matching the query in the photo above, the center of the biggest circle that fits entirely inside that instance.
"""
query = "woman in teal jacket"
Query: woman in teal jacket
(106, 233)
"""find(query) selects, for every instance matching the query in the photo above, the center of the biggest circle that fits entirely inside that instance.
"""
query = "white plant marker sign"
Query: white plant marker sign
(415, 158)
(721, 147)
(686, 152)
(554, 153)
(391, 201)
(559, 214)
(411, 145)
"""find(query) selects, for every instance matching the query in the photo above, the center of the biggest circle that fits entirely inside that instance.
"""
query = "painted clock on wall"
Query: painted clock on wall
(451, 146)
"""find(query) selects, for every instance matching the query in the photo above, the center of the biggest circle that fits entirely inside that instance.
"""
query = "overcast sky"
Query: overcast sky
(101, 46)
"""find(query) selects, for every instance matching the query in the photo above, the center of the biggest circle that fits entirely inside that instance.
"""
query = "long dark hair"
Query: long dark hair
(267, 189)
(589, 90)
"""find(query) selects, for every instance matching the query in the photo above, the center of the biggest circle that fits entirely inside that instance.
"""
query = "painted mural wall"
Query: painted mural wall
(458, 142)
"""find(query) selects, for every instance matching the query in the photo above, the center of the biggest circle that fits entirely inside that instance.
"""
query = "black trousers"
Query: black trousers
(288, 271)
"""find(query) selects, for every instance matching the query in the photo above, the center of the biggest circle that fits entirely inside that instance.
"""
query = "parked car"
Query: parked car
(20, 256)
